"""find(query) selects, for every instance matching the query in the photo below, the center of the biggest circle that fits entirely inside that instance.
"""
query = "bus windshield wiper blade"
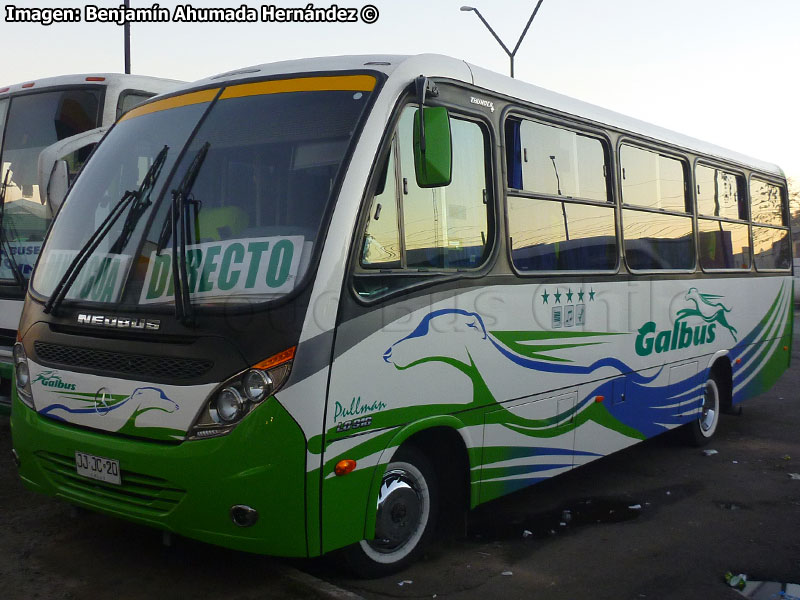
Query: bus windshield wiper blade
(178, 222)
(76, 264)
(17, 272)
(142, 202)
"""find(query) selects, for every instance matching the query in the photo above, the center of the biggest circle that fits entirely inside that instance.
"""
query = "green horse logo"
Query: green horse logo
(706, 309)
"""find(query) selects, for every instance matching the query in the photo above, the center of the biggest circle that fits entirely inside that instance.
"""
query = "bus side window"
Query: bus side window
(129, 99)
(412, 230)
(560, 211)
(382, 237)
(657, 223)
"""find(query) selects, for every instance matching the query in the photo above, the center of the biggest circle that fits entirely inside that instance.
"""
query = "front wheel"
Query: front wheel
(405, 518)
(701, 431)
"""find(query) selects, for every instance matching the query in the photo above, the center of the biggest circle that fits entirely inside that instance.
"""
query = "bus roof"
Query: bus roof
(403, 69)
(153, 84)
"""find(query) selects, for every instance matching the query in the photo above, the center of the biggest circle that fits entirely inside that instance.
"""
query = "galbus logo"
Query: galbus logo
(684, 334)
(51, 379)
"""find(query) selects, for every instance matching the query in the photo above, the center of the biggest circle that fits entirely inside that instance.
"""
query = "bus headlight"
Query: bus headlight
(22, 375)
(228, 406)
(236, 397)
(257, 385)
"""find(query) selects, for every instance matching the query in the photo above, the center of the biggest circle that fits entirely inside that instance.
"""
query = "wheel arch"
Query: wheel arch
(430, 436)
(719, 367)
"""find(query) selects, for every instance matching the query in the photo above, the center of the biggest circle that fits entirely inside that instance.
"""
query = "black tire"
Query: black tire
(408, 504)
(700, 432)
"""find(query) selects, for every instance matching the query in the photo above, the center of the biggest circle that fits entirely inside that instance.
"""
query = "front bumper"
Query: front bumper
(187, 488)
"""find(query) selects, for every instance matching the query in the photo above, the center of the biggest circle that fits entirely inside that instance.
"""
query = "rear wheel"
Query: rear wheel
(406, 513)
(701, 431)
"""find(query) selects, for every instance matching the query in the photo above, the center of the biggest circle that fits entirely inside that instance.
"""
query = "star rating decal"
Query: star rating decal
(569, 296)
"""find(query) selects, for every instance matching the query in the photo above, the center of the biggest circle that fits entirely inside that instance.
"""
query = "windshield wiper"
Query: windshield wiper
(178, 223)
(17, 272)
(141, 204)
(76, 265)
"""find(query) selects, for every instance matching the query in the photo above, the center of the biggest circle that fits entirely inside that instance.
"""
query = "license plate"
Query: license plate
(97, 467)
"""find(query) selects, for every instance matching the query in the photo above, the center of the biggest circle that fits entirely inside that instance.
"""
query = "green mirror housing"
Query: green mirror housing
(433, 147)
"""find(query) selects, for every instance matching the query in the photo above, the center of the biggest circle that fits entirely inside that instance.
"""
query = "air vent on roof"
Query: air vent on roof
(378, 63)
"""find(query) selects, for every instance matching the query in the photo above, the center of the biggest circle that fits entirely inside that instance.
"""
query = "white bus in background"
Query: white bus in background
(69, 114)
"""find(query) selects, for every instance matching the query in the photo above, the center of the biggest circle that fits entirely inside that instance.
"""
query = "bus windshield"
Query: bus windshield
(262, 159)
(34, 122)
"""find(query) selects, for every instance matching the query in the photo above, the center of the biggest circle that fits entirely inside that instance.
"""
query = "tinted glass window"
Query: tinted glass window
(445, 227)
(556, 236)
(382, 240)
(36, 121)
(657, 241)
(264, 165)
(771, 248)
(555, 161)
(128, 100)
(652, 180)
(724, 245)
(424, 229)
(766, 200)
(720, 194)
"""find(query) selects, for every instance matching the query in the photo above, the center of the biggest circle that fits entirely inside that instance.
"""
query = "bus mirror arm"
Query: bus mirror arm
(424, 87)
(57, 185)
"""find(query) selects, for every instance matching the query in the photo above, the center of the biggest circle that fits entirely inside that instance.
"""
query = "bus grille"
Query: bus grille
(164, 367)
(138, 493)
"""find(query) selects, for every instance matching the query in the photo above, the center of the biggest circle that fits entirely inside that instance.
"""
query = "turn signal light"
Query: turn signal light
(343, 467)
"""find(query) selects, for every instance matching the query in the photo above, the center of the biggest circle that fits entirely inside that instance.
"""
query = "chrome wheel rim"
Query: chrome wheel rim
(402, 514)
(710, 408)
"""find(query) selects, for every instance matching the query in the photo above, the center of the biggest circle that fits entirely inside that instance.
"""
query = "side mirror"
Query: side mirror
(57, 185)
(433, 147)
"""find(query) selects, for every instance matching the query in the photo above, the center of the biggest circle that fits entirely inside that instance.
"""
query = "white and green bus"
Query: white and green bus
(66, 114)
(309, 315)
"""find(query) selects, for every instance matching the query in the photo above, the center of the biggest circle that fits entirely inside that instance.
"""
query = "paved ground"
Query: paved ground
(701, 515)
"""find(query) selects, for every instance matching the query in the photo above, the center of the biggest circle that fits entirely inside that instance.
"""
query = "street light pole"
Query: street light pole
(127, 28)
(511, 53)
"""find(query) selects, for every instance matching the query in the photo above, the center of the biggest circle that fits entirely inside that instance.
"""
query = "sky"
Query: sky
(718, 70)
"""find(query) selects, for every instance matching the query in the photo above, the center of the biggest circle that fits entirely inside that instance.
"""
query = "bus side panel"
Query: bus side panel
(759, 365)
(608, 362)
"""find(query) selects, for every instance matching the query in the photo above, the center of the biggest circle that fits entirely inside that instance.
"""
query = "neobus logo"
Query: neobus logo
(119, 322)
(683, 335)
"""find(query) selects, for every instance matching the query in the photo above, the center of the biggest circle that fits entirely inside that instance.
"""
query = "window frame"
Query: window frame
(421, 278)
(782, 187)
(688, 192)
(702, 161)
(517, 112)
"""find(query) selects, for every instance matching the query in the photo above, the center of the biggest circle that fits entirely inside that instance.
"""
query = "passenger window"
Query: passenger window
(557, 162)
(578, 233)
(657, 241)
(651, 180)
(656, 229)
(412, 229)
(724, 245)
(771, 248)
(720, 194)
(766, 200)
